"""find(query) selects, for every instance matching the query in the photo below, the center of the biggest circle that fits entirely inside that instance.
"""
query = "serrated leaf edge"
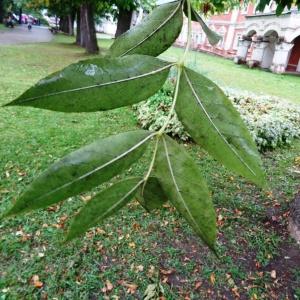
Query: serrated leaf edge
(215, 126)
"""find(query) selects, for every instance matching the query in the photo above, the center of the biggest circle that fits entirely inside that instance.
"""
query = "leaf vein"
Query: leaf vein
(215, 126)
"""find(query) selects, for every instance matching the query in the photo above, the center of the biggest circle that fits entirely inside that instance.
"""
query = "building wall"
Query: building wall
(230, 26)
(234, 25)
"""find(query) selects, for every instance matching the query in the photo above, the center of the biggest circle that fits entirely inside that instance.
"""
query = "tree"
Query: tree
(88, 37)
(281, 5)
(129, 74)
(81, 10)
(1, 10)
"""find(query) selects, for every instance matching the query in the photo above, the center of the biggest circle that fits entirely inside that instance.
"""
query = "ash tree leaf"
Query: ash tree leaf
(213, 122)
(212, 36)
(98, 84)
(103, 205)
(83, 169)
(186, 189)
(151, 195)
(154, 35)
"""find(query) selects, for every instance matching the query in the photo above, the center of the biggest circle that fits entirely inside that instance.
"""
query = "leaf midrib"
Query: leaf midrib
(104, 215)
(98, 85)
(177, 188)
(98, 168)
(152, 33)
(199, 102)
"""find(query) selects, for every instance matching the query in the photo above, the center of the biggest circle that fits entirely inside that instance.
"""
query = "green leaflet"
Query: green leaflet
(182, 182)
(212, 36)
(151, 195)
(98, 84)
(154, 35)
(213, 122)
(103, 205)
(83, 169)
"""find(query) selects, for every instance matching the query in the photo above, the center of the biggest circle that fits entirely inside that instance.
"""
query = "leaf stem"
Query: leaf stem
(189, 34)
(179, 65)
(162, 130)
(151, 164)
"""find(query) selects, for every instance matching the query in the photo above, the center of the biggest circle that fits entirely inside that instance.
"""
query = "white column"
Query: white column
(258, 53)
(242, 51)
(281, 57)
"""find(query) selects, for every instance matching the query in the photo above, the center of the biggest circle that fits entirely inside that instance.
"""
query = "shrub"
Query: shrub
(271, 121)
(152, 114)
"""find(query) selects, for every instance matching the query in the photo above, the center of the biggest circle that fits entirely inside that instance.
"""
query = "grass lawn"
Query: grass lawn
(134, 249)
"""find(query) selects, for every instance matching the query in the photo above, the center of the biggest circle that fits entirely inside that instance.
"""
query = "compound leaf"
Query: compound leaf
(151, 195)
(214, 123)
(103, 205)
(154, 35)
(212, 36)
(98, 84)
(83, 169)
(185, 187)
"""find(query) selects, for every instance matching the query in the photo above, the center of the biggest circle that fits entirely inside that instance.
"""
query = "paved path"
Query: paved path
(21, 35)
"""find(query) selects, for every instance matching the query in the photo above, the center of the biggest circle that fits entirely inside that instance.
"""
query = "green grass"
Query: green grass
(240, 77)
(134, 246)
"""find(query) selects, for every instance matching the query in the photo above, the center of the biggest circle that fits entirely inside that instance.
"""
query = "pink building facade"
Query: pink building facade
(256, 39)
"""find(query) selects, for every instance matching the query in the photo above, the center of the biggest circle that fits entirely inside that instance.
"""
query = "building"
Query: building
(256, 39)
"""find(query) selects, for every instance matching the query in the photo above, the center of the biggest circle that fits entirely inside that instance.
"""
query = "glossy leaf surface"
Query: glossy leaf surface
(154, 35)
(212, 36)
(151, 195)
(83, 169)
(214, 123)
(103, 205)
(98, 84)
(185, 187)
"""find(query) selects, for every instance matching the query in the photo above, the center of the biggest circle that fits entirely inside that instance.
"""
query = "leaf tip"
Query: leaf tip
(9, 104)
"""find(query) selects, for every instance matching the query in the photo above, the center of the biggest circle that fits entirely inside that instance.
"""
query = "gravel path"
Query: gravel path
(21, 35)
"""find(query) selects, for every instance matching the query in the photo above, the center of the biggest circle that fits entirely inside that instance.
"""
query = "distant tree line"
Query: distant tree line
(85, 13)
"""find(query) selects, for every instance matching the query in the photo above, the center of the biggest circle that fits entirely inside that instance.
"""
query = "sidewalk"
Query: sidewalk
(21, 35)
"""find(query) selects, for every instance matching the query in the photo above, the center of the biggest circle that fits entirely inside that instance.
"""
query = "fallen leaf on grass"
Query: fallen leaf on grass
(35, 281)
(132, 245)
(131, 287)
(139, 268)
(212, 278)
(108, 287)
(273, 274)
(198, 285)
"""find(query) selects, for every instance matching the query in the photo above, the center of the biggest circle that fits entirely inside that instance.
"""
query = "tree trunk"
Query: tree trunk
(87, 28)
(1, 11)
(78, 31)
(82, 27)
(124, 21)
(71, 19)
(63, 24)
(20, 15)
